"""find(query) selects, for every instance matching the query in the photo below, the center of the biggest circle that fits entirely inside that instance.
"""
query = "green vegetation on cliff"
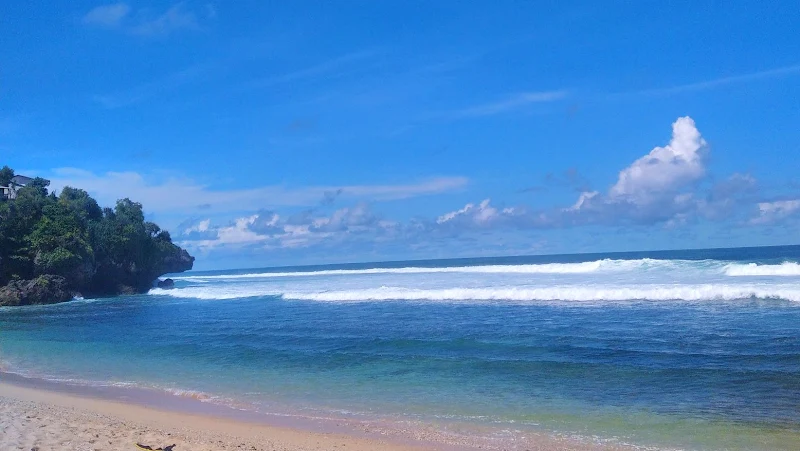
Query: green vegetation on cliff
(68, 242)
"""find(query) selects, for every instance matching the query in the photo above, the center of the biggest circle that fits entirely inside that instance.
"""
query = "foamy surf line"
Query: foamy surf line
(31, 377)
(290, 429)
(785, 269)
(138, 392)
(580, 294)
(543, 268)
(697, 292)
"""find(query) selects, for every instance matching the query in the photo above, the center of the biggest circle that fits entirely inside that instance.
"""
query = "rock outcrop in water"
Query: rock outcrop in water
(55, 247)
(45, 289)
(166, 284)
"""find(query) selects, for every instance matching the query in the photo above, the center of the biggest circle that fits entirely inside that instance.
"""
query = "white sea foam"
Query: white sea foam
(703, 292)
(214, 293)
(579, 293)
(753, 269)
(599, 280)
(179, 392)
(544, 268)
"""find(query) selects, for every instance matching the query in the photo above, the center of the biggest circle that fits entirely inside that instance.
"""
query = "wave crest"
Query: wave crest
(541, 268)
(754, 269)
(706, 292)
(697, 292)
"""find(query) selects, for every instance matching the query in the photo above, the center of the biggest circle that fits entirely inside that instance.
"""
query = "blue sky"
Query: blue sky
(269, 133)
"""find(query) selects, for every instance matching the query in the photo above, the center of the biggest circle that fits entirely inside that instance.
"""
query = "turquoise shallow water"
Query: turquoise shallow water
(694, 349)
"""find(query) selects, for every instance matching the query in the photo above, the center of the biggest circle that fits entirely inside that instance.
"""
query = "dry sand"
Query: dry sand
(40, 420)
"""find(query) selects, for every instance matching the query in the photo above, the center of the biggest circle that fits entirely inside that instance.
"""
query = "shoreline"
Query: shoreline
(60, 413)
(127, 423)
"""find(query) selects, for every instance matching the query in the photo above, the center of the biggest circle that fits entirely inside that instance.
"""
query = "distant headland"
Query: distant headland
(55, 247)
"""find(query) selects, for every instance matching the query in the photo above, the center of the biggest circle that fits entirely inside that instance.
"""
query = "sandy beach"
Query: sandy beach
(42, 420)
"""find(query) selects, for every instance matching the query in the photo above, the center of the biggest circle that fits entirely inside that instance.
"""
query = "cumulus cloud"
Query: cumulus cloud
(358, 217)
(144, 22)
(771, 212)
(669, 186)
(484, 215)
(170, 194)
(196, 229)
(665, 169)
(664, 186)
(479, 214)
(269, 230)
(583, 201)
(655, 188)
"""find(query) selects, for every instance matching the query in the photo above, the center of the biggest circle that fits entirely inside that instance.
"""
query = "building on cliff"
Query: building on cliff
(17, 182)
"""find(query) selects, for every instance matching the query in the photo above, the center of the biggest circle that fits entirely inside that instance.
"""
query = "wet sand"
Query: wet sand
(36, 419)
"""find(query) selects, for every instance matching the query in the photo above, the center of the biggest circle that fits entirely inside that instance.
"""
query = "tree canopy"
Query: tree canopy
(98, 251)
(6, 174)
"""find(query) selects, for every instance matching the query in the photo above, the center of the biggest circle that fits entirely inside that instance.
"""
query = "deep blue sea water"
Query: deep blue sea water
(681, 349)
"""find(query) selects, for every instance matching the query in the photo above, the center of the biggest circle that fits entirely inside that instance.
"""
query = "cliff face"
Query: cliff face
(125, 277)
(107, 279)
(55, 247)
(41, 290)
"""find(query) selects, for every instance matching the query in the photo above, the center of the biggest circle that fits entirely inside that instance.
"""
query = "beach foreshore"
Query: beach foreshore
(46, 420)
(40, 419)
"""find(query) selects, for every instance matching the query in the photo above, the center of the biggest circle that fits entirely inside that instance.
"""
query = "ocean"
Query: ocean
(695, 349)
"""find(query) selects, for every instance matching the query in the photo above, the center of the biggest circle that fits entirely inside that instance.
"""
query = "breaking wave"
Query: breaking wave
(598, 280)
(213, 293)
(706, 292)
(695, 292)
(754, 269)
(543, 268)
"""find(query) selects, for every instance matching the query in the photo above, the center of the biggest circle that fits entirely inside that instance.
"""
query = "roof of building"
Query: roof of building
(21, 180)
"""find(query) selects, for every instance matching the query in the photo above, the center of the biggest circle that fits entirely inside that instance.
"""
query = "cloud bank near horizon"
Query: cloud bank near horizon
(670, 186)
(180, 195)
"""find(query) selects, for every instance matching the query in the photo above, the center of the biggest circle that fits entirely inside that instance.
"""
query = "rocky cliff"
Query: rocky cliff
(55, 247)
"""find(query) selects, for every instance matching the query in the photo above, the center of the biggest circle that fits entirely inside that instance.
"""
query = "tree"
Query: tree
(94, 251)
(39, 184)
(6, 174)
(81, 204)
(59, 244)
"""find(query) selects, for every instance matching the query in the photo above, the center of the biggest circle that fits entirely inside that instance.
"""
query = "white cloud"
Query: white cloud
(269, 230)
(475, 215)
(655, 188)
(201, 226)
(770, 212)
(143, 22)
(583, 200)
(454, 214)
(356, 217)
(665, 169)
(238, 233)
(663, 186)
(513, 102)
(109, 16)
(181, 195)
